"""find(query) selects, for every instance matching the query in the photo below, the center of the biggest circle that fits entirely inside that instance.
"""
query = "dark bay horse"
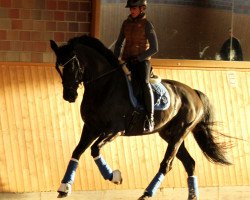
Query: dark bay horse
(107, 113)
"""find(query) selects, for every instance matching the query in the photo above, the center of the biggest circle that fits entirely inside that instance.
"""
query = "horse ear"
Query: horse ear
(53, 45)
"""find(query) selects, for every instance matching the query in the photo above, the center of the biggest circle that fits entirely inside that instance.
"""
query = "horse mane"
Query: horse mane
(97, 45)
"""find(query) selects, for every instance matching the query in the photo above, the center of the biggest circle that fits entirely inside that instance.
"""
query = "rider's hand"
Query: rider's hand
(133, 60)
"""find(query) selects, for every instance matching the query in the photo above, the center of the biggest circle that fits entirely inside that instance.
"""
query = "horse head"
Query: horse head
(83, 59)
(69, 68)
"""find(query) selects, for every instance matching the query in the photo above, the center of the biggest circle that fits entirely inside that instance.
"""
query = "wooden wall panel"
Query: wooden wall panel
(39, 130)
(228, 90)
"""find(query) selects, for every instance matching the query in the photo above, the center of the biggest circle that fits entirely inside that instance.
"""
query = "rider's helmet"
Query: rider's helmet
(134, 3)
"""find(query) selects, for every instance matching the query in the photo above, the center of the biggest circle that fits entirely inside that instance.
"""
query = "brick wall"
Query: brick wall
(26, 26)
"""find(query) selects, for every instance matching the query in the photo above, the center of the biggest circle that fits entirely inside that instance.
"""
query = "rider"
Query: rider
(140, 44)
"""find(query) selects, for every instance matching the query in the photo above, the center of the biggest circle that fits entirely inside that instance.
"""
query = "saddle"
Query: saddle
(161, 94)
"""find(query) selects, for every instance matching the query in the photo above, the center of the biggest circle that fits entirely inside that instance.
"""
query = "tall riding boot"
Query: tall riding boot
(149, 103)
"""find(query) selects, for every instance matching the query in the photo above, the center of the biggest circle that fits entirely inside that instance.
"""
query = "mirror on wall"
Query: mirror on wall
(241, 27)
(198, 30)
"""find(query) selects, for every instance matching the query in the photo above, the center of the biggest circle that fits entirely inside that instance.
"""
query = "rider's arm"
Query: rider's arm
(153, 42)
(119, 43)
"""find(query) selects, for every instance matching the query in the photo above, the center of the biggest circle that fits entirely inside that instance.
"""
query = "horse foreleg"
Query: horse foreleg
(104, 168)
(189, 164)
(88, 136)
(106, 171)
(68, 179)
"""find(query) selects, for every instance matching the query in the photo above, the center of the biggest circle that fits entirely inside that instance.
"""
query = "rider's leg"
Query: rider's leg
(148, 98)
(145, 69)
(140, 76)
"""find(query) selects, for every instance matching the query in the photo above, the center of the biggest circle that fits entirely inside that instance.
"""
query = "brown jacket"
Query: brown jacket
(136, 41)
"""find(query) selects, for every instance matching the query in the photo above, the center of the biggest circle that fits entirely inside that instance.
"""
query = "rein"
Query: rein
(101, 76)
(82, 69)
(74, 57)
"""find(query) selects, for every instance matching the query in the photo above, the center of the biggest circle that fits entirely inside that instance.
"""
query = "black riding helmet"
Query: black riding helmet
(134, 3)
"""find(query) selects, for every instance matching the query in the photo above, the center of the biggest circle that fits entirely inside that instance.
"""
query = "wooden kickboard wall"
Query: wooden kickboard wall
(39, 130)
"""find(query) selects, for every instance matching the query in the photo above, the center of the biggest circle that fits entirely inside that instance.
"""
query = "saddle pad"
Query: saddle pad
(161, 96)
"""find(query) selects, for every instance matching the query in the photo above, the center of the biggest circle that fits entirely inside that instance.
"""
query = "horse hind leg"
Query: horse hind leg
(104, 168)
(189, 165)
(166, 164)
(165, 167)
(175, 136)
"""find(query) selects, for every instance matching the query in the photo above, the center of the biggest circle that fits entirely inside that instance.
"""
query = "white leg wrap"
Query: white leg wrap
(117, 177)
(65, 188)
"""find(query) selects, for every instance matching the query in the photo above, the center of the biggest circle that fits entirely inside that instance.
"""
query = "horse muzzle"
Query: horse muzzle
(69, 95)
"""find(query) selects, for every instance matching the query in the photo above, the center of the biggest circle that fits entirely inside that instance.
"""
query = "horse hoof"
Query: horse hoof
(62, 195)
(117, 177)
(192, 198)
(193, 194)
(143, 197)
(64, 190)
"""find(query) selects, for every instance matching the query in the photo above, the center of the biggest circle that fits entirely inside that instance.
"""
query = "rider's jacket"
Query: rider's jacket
(136, 41)
(140, 39)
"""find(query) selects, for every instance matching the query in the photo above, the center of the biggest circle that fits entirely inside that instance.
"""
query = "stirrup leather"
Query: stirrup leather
(149, 124)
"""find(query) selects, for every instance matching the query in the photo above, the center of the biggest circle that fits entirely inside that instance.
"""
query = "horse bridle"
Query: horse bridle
(80, 70)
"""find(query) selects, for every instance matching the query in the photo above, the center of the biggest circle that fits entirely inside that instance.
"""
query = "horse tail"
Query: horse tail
(205, 135)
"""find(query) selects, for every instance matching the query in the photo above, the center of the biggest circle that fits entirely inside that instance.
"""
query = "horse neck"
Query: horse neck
(105, 81)
(101, 75)
(95, 64)
(109, 91)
